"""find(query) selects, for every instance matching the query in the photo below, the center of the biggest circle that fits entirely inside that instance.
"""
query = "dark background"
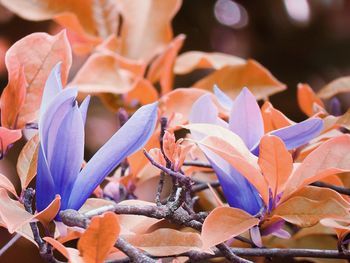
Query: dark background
(295, 45)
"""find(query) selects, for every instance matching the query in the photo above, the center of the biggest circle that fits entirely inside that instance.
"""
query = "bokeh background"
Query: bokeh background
(297, 40)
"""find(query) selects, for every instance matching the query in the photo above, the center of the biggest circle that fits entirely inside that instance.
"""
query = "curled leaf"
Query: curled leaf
(27, 161)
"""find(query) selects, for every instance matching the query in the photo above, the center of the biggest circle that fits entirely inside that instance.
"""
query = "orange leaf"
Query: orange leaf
(335, 87)
(306, 212)
(189, 61)
(15, 216)
(179, 101)
(307, 99)
(276, 162)
(252, 75)
(12, 99)
(99, 238)
(8, 137)
(331, 157)
(224, 223)
(27, 161)
(146, 28)
(70, 253)
(273, 119)
(6, 184)
(37, 61)
(161, 68)
(102, 73)
(165, 241)
(344, 120)
(142, 92)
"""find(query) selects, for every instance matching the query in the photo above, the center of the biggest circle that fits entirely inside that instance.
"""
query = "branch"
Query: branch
(271, 252)
(72, 217)
(45, 249)
(339, 189)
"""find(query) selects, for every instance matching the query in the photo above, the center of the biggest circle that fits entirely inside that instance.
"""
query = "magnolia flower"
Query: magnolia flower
(61, 151)
(246, 121)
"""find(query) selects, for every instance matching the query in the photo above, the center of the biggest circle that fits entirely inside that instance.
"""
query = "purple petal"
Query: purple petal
(53, 87)
(68, 152)
(245, 118)
(204, 111)
(237, 190)
(130, 137)
(296, 135)
(84, 108)
(224, 100)
(45, 190)
(335, 107)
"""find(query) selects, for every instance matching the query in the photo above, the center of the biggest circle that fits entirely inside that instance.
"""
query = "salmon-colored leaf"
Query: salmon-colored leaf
(335, 87)
(99, 238)
(189, 61)
(15, 216)
(329, 158)
(344, 120)
(307, 98)
(146, 28)
(8, 137)
(12, 99)
(273, 118)
(102, 73)
(276, 162)
(37, 62)
(161, 68)
(27, 161)
(179, 101)
(70, 253)
(306, 212)
(252, 75)
(142, 92)
(165, 241)
(224, 223)
(6, 184)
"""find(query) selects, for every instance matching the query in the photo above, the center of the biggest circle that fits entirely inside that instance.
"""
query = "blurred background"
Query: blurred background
(297, 40)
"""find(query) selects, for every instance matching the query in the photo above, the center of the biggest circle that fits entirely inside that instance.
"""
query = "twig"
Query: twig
(202, 186)
(197, 164)
(230, 255)
(160, 189)
(9, 244)
(182, 179)
(45, 249)
(339, 189)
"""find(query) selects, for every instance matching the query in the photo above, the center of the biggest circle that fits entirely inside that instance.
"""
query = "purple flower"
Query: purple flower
(61, 152)
(246, 121)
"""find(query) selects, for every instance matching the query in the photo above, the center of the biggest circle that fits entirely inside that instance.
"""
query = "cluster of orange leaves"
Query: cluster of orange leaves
(132, 60)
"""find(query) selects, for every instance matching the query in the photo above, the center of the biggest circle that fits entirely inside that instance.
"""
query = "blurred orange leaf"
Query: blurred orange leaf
(191, 60)
(102, 73)
(165, 241)
(161, 68)
(306, 212)
(12, 99)
(329, 158)
(146, 28)
(37, 62)
(231, 79)
(142, 92)
(27, 161)
(8, 137)
(307, 98)
(224, 223)
(276, 162)
(99, 238)
(344, 120)
(335, 87)
(6, 184)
